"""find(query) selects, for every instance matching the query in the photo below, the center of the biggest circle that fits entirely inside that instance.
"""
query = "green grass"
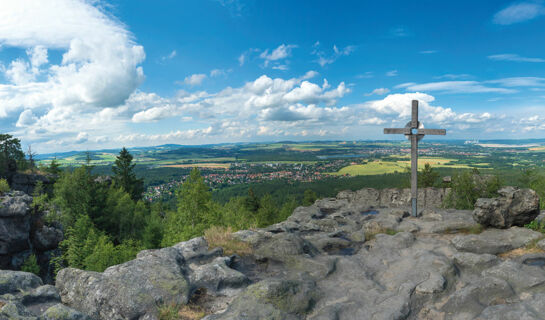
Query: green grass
(383, 167)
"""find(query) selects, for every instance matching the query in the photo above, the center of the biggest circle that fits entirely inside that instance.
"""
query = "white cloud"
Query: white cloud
(519, 12)
(372, 121)
(264, 97)
(392, 73)
(513, 57)
(282, 52)
(324, 59)
(428, 51)
(170, 56)
(99, 68)
(366, 75)
(195, 79)
(453, 87)
(378, 91)
(219, 72)
(242, 59)
(397, 108)
(451, 76)
(26, 118)
(520, 82)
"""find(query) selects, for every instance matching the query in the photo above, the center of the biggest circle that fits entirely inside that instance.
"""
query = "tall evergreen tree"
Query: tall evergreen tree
(10, 154)
(125, 177)
(195, 211)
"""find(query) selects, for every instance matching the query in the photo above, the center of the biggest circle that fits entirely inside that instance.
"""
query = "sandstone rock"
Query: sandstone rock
(514, 207)
(14, 282)
(26, 182)
(473, 261)
(46, 238)
(518, 275)
(495, 241)
(217, 276)
(469, 301)
(62, 312)
(130, 290)
(23, 297)
(14, 225)
(272, 299)
(284, 245)
(317, 265)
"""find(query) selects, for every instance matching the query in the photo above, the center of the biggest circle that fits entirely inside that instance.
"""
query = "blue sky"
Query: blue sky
(77, 75)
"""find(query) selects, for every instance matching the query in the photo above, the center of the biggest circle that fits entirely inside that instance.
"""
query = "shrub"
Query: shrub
(4, 186)
(223, 237)
(31, 265)
(468, 186)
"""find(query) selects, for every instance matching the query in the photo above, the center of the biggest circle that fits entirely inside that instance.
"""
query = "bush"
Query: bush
(31, 265)
(469, 186)
(4, 186)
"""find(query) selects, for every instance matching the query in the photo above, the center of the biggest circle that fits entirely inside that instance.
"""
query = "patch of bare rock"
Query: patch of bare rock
(356, 256)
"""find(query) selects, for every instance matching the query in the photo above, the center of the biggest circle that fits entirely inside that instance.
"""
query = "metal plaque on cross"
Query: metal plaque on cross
(414, 131)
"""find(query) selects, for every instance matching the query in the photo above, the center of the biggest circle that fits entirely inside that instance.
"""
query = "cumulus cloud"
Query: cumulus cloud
(100, 65)
(397, 107)
(265, 99)
(195, 79)
(519, 12)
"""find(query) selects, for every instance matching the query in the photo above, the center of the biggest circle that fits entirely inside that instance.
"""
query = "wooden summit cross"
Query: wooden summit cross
(414, 131)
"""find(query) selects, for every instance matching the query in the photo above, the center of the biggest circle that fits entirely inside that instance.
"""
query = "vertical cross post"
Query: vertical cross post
(414, 131)
(414, 158)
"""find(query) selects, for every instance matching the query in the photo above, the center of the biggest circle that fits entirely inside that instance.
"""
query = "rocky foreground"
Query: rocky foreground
(347, 257)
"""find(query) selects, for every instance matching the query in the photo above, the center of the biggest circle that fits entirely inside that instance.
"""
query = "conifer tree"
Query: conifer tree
(194, 211)
(124, 175)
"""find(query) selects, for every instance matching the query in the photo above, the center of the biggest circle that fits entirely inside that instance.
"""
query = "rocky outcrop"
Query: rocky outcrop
(396, 198)
(22, 233)
(341, 258)
(514, 207)
(26, 182)
(23, 296)
(135, 289)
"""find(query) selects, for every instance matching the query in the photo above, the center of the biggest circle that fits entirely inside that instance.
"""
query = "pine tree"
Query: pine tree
(124, 175)
(194, 211)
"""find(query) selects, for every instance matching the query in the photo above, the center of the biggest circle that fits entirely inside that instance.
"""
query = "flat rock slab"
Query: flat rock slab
(342, 258)
(496, 241)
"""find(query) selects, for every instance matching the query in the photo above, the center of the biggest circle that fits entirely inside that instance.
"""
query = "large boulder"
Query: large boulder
(132, 290)
(26, 182)
(23, 296)
(514, 207)
(14, 226)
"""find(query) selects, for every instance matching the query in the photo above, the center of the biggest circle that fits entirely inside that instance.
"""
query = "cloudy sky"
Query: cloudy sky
(82, 75)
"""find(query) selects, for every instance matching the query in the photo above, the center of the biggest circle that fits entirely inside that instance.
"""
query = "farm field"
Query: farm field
(384, 167)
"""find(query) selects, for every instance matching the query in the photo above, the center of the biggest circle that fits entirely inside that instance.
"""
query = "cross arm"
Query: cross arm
(437, 132)
(397, 130)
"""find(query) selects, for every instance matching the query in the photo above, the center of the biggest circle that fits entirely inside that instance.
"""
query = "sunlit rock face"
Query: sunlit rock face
(356, 256)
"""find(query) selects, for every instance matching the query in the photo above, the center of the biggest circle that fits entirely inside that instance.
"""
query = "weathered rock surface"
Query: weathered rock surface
(514, 207)
(23, 296)
(22, 233)
(27, 182)
(341, 258)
